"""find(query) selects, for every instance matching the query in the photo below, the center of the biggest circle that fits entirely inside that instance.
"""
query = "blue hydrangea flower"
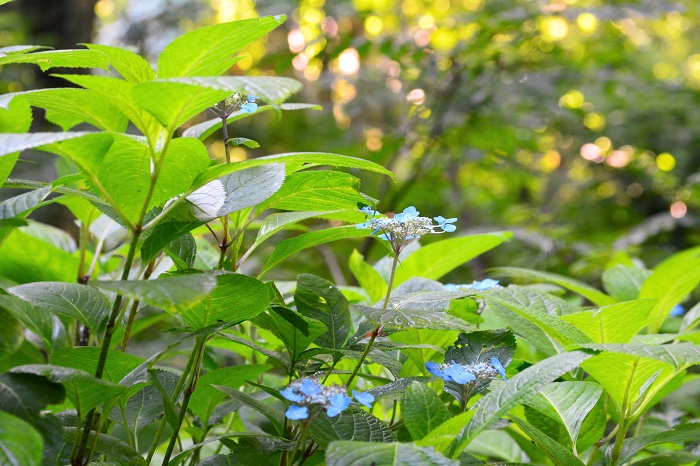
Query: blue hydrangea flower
(458, 373)
(365, 399)
(677, 310)
(499, 367)
(446, 223)
(297, 413)
(291, 395)
(339, 403)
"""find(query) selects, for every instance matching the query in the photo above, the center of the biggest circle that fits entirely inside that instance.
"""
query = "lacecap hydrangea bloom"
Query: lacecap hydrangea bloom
(307, 393)
(463, 374)
(404, 227)
(482, 285)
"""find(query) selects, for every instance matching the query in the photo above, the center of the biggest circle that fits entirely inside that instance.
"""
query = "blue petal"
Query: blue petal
(340, 401)
(411, 212)
(291, 395)
(447, 227)
(484, 284)
(252, 97)
(677, 310)
(249, 107)
(296, 413)
(499, 367)
(450, 287)
(458, 373)
(309, 387)
(365, 399)
(437, 372)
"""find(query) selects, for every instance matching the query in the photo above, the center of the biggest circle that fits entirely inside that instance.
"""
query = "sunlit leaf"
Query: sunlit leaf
(422, 410)
(616, 323)
(343, 453)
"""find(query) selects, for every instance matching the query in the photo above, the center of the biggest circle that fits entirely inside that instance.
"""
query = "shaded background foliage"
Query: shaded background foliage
(571, 122)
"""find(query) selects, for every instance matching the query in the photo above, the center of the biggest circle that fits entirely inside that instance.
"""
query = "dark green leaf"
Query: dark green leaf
(422, 410)
(20, 443)
(114, 449)
(147, 404)
(295, 339)
(209, 51)
(11, 333)
(481, 346)
(275, 416)
(352, 424)
(80, 302)
(25, 395)
(183, 251)
(38, 320)
(321, 300)
(558, 453)
(163, 236)
(687, 432)
(171, 293)
(395, 390)
(362, 454)
(117, 366)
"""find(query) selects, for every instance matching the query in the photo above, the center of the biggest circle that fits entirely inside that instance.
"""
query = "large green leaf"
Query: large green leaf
(318, 190)
(681, 433)
(83, 303)
(170, 293)
(343, 453)
(84, 358)
(505, 396)
(209, 51)
(422, 410)
(304, 158)
(25, 258)
(596, 297)
(624, 282)
(275, 416)
(679, 355)
(287, 248)
(319, 299)
(352, 424)
(616, 323)
(670, 283)
(568, 403)
(173, 103)
(394, 320)
(84, 390)
(11, 333)
(558, 453)
(41, 322)
(163, 235)
(20, 443)
(207, 128)
(235, 299)
(437, 259)
(207, 397)
(512, 298)
(131, 66)
(25, 395)
(296, 337)
(14, 142)
(24, 203)
(71, 106)
(60, 58)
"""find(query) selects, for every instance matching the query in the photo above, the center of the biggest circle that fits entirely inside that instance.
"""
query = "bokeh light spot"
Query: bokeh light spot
(594, 121)
(666, 162)
(349, 61)
(587, 22)
(678, 209)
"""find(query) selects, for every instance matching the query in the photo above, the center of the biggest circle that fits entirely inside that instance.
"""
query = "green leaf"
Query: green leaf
(209, 51)
(183, 251)
(319, 299)
(313, 158)
(558, 453)
(83, 303)
(60, 59)
(681, 433)
(352, 424)
(318, 190)
(631, 373)
(83, 390)
(497, 444)
(368, 278)
(422, 410)
(295, 339)
(616, 323)
(11, 333)
(512, 299)
(679, 355)
(231, 193)
(147, 404)
(505, 396)
(84, 358)
(344, 453)
(23, 203)
(275, 416)
(624, 282)
(437, 259)
(25, 395)
(235, 299)
(288, 247)
(207, 128)
(245, 142)
(272, 89)
(207, 396)
(185, 159)
(20, 443)
(71, 106)
(170, 293)
(568, 403)
(14, 142)
(38, 320)
(132, 67)
(173, 103)
(670, 283)
(596, 297)
(395, 320)
(15, 117)
(164, 235)
(274, 223)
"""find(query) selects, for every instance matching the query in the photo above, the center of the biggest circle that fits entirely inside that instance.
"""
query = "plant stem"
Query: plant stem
(134, 308)
(378, 330)
(77, 460)
(198, 353)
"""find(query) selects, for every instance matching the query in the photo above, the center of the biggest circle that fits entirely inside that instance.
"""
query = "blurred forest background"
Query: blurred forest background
(573, 123)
